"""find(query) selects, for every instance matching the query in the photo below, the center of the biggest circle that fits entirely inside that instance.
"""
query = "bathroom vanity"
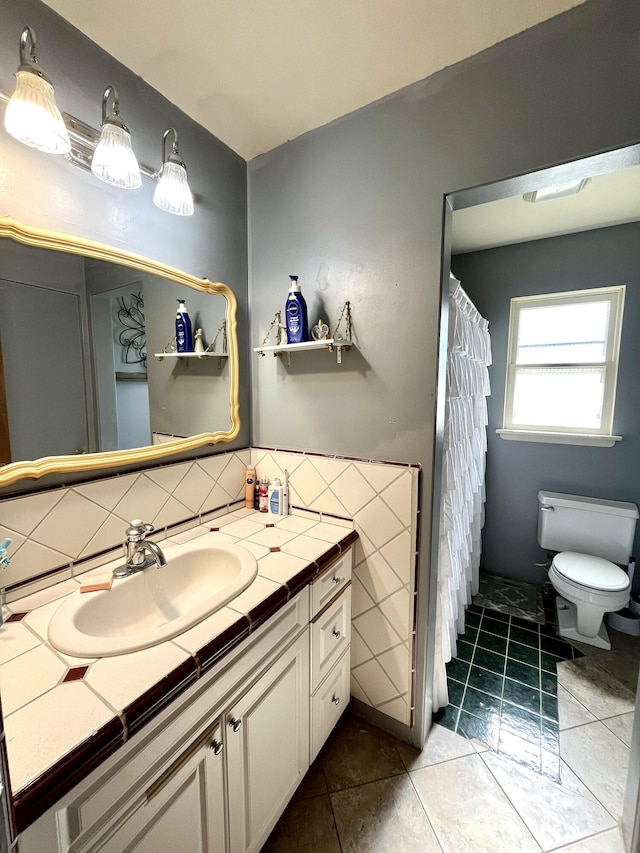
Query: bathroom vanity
(209, 757)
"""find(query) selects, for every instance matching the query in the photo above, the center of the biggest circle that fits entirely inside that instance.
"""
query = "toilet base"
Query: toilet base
(567, 619)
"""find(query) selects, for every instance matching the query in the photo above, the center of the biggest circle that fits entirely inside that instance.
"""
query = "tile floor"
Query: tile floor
(503, 687)
(368, 792)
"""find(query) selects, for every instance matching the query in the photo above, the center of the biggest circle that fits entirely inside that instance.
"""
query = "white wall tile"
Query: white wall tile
(71, 523)
(193, 488)
(376, 631)
(380, 476)
(107, 493)
(31, 560)
(24, 514)
(353, 491)
(170, 476)
(144, 500)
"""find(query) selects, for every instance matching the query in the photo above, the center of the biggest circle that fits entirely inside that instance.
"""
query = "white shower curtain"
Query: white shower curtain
(463, 470)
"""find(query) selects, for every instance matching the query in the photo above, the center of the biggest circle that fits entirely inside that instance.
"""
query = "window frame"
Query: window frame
(615, 295)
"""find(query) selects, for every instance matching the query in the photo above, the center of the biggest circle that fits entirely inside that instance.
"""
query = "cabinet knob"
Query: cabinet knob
(335, 699)
(235, 724)
(336, 580)
(217, 746)
(336, 633)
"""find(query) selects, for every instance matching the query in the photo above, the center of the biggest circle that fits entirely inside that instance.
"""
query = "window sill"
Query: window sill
(578, 438)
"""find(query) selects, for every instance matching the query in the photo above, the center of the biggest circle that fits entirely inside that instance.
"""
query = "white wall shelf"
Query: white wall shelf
(187, 355)
(191, 354)
(286, 349)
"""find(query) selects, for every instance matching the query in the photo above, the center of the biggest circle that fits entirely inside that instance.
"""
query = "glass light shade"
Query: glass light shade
(113, 160)
(172, 191)
(32, 116)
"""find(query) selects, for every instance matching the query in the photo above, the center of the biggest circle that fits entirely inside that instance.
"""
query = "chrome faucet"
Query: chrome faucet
(136, 546)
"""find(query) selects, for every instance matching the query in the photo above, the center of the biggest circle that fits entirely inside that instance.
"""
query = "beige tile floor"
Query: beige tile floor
(370, 793)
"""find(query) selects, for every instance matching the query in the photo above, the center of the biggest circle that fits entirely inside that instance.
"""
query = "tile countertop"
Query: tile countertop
(64, 715)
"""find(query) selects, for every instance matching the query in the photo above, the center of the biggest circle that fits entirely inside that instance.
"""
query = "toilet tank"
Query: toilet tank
(589, 525)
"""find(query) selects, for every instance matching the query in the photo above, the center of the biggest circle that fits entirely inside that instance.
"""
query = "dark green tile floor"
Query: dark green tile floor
(503, 686)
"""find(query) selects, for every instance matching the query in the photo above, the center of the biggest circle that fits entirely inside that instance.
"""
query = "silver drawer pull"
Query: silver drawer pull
(235, 724)
(336, 580)
(336, 633)
(547, 509)
(217, 746)
(335, 699)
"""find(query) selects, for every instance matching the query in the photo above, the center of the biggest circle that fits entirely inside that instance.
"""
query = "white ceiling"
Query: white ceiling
(606, 200)
(257, 73)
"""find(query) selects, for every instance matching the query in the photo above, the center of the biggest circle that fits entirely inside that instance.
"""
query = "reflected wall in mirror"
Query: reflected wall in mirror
(81, 387)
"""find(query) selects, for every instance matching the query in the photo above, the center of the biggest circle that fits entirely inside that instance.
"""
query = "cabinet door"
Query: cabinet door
(267, 737)
(182, 810)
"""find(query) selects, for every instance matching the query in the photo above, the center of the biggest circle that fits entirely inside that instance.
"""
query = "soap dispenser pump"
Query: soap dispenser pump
(296, 314)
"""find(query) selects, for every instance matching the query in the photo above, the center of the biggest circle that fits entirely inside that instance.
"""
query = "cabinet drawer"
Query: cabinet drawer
(331, 582)
(328, 703)
(330, 636)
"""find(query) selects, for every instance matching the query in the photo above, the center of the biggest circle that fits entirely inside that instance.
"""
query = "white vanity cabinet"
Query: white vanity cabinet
(182, 810)
(267, 739)
(213, 772)
(330, 649)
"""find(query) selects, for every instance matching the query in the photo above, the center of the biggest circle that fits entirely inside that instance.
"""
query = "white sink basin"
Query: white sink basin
(152, 605)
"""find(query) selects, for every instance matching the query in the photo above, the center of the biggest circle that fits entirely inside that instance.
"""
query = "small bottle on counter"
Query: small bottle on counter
(256, 495)
(249, 487)
(263, 500)
(275, 497)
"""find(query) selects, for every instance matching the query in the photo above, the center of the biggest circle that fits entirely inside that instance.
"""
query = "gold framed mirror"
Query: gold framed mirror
(218, 374)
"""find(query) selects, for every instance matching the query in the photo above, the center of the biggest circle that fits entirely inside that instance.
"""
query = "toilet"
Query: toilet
(590, 536)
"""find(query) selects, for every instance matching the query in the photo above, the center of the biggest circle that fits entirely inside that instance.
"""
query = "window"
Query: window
(562, 363)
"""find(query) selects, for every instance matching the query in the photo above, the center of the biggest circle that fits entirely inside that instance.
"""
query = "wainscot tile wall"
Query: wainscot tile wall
(382, 500)
(61, 533)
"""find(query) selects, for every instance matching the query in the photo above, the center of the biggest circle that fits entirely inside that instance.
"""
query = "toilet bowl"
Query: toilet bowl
(589, 587)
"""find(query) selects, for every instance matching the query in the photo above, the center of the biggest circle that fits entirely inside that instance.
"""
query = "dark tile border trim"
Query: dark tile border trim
(316, 454)
(157, 697)
(302, 579)
(270, 605)
(42, 793)
(221, 645)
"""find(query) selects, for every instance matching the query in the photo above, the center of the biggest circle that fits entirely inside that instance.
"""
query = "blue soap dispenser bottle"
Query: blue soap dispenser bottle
(296, 314)
(184, 334)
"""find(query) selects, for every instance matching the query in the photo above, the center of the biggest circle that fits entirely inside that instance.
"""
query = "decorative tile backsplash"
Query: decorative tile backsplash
(61, 533)
(55, 533)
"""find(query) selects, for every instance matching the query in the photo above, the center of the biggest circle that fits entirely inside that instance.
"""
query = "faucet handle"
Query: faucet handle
(137, 530)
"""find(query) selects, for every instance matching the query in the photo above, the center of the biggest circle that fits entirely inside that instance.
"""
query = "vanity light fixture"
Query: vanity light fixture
(172, 192)
(32, 116)
(113, 160)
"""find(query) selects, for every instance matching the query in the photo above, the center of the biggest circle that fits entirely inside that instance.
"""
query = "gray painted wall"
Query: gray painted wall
(43, 190)
(356, 209)
(517, 470)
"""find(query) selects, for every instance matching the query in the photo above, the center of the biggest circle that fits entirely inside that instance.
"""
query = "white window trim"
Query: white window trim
(601, 437)
(578, 438)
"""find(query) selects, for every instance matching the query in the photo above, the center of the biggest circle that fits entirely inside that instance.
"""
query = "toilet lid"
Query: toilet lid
(591, 571)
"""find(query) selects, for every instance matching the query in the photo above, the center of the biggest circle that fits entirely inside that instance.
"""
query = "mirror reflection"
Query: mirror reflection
(78, 338)
(89, 373)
